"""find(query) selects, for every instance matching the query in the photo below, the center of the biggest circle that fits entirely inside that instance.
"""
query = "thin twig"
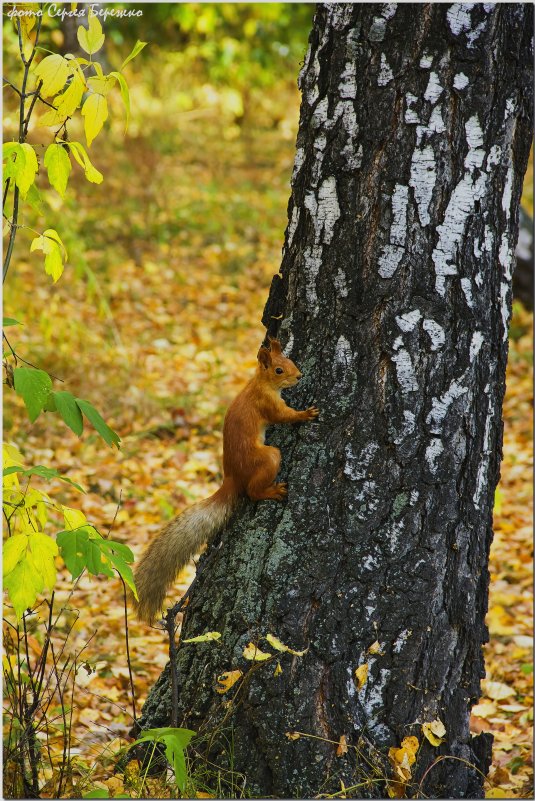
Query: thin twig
(127, 640)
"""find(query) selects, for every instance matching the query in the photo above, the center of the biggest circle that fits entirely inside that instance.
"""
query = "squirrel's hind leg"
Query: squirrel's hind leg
(261, 486)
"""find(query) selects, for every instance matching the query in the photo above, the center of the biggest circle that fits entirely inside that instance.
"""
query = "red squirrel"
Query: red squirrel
(249, 468)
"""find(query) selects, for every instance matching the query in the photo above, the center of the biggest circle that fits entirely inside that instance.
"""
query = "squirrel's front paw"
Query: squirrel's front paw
(310, 414)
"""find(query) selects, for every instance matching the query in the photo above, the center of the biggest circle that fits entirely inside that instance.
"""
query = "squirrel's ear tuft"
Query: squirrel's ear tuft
(264, 357)
(275, 346)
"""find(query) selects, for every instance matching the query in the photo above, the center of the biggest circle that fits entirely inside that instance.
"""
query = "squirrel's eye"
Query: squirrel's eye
(279, 370)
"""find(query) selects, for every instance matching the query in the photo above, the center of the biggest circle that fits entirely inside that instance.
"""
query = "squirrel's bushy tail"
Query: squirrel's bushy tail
(173, 547)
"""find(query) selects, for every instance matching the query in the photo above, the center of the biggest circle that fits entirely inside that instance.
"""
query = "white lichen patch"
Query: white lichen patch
(475, 344)
(458, 17)
(298, 163)
(293, 225)
(411, 116)
(426, 61)
(389, 260)
(357, 464)
(422, 180)
(472, 36)
(466, 286)
(289, 345)
(398, 230)
(432, 452)
(460, 81)
(377, 29)
(435, 333)
(404, 369)
(407, 427)
(434, 89)
(482, 471)
(409, 320)
(312, 264)
(385, 73)
(324, 210)
(343, 355)
(348, 82)
(440, 406)
(461, 205)
(402, 638)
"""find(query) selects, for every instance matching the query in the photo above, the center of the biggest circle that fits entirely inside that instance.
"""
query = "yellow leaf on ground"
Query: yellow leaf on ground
(497, 690)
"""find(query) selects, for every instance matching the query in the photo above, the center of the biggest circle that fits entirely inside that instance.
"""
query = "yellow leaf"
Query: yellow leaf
(14, 549)
(375, 648)
(497, 690)
(495, 792)
(91, 38)
(54, 250)
(342, 746)
(228, 680)
(68, 102)
(43, 550)
(22, 166)
(95, 113)
(278, 669)
(292, 735)
(434, 732)
(101, 85)
(484, 710)
(53, 71)
(361, 675)
(74, 518)
(80, 155)
(279, 646)
(210, 636)
(58, 165)
(254, 654)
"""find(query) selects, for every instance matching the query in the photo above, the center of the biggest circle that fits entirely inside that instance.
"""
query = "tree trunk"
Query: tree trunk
(394, 299)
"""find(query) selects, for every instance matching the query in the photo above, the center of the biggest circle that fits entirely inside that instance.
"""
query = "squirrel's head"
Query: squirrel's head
(276, 368)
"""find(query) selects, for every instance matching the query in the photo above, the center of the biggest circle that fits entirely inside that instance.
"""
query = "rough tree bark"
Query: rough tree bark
(394, 298)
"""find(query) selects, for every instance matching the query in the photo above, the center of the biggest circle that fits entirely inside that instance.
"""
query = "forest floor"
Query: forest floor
(157, 323)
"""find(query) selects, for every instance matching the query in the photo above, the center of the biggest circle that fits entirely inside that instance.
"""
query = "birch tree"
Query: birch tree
(394, 298)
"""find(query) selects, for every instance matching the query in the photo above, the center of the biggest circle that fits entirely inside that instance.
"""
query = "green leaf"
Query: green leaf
(108, 434)
(175, 741)
(91, 38)
(69, 411)
(138, 47)
(100, 792)
(210, 636)
(58, 165)
(8, 148)
(125, 94)
(74, 547)
(53, 248)
(43, 472)
(119, 554)
(80, 154)
(7, 321)
(33, 198)
(33, 386)
(53, 71)
(95, 113)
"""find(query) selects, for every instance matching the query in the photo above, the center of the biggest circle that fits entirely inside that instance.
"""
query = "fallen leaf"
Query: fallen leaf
(342, 746)
(361, 674)
(254, 654)
(228, 680)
